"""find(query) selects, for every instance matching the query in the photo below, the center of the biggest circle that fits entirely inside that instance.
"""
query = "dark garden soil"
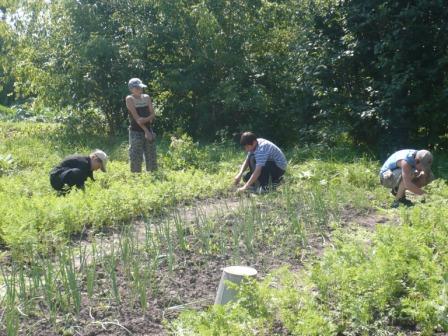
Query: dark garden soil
(191, 284)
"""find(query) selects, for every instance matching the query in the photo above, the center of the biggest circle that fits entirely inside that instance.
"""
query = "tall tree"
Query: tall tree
(7, 45)
(390, 70)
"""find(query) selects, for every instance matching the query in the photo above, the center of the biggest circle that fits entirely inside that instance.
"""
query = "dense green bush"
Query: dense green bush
(290, 70)
(383, 71)
(183, 153)
(398, 278)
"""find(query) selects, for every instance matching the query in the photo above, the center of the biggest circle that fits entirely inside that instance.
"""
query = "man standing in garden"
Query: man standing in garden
(75, 169)
(266, 163)
(407, 169)
(141, 136)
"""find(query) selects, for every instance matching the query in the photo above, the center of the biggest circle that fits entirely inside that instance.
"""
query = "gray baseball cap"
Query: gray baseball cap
(136, 83)
(99, 154)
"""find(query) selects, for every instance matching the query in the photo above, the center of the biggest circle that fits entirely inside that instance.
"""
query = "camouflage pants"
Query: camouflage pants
(139, 147)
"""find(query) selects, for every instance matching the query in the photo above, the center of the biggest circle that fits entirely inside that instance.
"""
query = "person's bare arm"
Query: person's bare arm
(139, 120)
(422, 179)
(254, 177)
(242, 169)
(133, 111)
(152, 114)
(408, 175)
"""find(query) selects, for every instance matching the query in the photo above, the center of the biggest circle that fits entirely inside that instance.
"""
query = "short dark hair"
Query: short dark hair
(247, 138)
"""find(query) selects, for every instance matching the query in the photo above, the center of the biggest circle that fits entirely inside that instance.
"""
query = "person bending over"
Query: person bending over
(266, 163)
(406, 169)
(75, 169)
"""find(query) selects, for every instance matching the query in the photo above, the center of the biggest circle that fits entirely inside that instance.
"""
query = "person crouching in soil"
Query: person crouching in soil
(406, 169)
(266, 163)
(75, 169)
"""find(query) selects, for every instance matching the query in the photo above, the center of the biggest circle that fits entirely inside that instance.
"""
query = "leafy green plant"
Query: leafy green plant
(7, 164)
(365, 282)
(116, 196)
(184, 153)
(219, 320)
(5, 111)
(111, 264)
(11, 317)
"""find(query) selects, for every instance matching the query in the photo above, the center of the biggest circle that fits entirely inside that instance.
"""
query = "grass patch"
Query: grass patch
(5, 111)
(392, 281)
(33, 214)
(385, 282)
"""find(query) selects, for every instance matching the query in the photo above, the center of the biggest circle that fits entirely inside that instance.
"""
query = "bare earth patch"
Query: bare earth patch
(192, 283)
(367, 219)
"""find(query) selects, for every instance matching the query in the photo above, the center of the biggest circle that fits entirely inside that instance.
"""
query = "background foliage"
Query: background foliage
(290, 70)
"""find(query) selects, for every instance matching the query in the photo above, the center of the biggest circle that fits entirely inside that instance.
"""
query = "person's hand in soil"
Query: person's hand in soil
(237, 179)
(241, 189)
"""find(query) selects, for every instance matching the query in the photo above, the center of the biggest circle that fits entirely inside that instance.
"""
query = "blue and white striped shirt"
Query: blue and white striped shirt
(267, 151)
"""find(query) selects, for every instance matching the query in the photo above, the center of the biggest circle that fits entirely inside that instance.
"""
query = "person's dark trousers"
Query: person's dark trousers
(63, 179)
(270, 174)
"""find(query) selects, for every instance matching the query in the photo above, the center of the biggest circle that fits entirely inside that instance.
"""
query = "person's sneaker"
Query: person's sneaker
(405, 202)
(275, 185)
(263, 190)
(252, 189)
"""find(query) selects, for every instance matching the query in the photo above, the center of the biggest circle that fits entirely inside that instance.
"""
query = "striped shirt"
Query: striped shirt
(267, 151)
